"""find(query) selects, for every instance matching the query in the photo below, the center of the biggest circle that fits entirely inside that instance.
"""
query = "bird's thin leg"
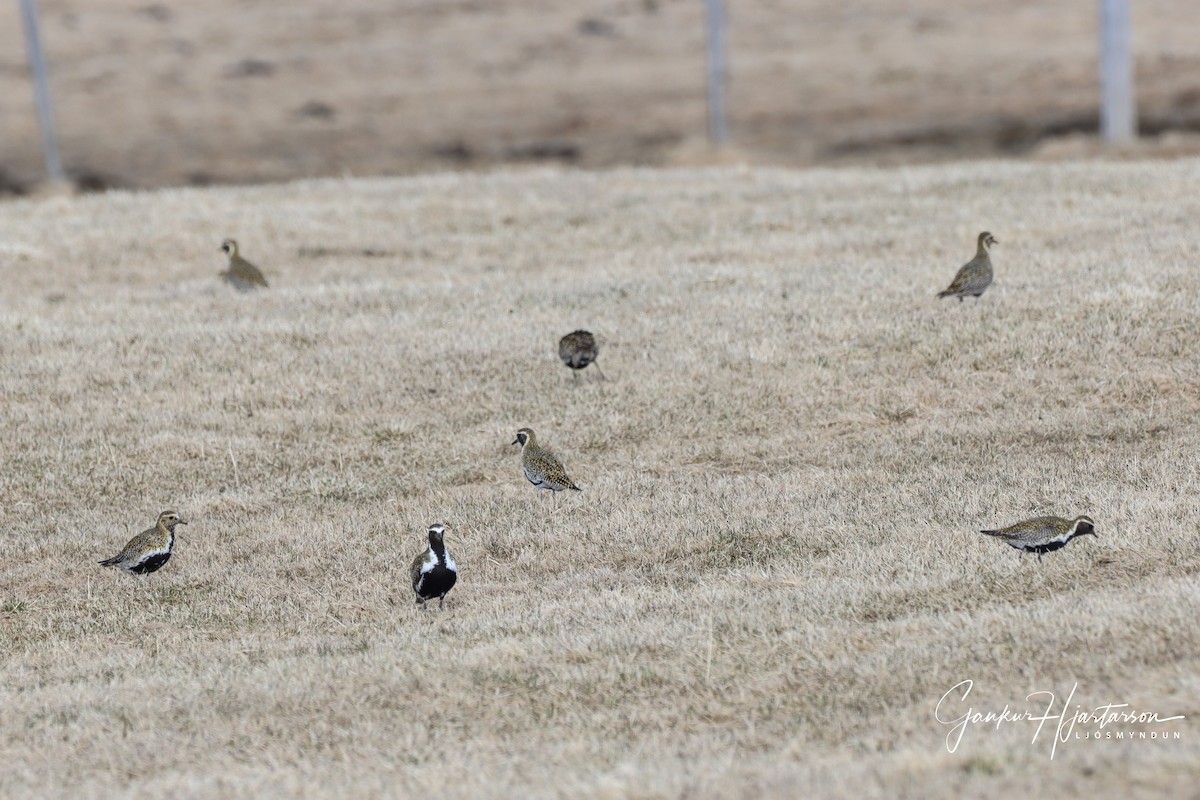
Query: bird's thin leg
(441, 602)
(575, 375)
(598, 370)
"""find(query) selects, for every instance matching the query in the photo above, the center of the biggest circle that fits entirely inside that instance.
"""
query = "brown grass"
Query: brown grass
(773, 571)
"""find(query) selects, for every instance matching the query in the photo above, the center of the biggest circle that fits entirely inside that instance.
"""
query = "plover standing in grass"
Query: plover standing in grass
(578, 349)
(541, 467)
(243, 275)
(1044, 534)
(434, 572)
(975, 276)
(150, 549)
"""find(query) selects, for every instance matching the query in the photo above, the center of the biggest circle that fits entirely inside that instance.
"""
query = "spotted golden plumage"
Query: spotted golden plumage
(434, 571)
(975, 276)
(1044, 534)
(541, 467)
(578, 349)
(150, 549)
(241, 274)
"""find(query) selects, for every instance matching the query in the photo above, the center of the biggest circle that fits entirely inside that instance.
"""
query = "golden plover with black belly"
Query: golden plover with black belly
(541, 467)
(578, 349)
(434, 572)
(975, 276)
(150, 549)
(1044, 534)
(243, 275)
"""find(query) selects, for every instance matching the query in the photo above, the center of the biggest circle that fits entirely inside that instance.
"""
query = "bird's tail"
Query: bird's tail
(576, 488)
(990, 533)
(946, 293)
(109, 562)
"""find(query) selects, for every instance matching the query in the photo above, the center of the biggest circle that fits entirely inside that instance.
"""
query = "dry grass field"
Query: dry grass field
(773, 571)
(156, 93)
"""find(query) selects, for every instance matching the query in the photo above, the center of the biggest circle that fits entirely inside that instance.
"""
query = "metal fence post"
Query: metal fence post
(41, 90)
(1117, 112)
(717, 131)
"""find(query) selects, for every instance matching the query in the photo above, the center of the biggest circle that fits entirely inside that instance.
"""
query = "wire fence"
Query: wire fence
(1117, 107)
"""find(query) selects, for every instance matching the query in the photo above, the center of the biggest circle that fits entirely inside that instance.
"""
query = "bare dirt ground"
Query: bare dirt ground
(773, 571)
(237, 91)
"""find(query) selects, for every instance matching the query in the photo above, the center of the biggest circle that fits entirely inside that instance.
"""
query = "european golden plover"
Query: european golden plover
(434, 571)
(150, 549)
(541, 467)
(578, 349)
(243, 275)
(975, 276)
(1044, 534)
